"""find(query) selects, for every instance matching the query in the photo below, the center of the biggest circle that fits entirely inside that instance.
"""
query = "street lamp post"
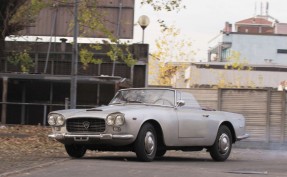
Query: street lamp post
(143, 22)
(74, 73)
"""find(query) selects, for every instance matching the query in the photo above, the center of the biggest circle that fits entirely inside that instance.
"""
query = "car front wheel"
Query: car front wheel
(75, 151)
(146, 143)
(221, 148)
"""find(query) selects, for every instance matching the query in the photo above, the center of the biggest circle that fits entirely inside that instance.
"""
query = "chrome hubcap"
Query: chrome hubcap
(149, 143)
(224, 143)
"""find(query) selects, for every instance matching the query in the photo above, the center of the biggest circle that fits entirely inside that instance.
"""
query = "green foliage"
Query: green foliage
(15, 15)
(87, 57)
(91, 20)
(97, 47)
(164, 5)
(124, 54)
(24, 14)
(128, 58)
(167, 5)
(21, 59)
(169, 48)
(235, 62)
(167, 71)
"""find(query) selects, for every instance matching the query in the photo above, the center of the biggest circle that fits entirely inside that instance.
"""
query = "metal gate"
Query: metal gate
(253, 105)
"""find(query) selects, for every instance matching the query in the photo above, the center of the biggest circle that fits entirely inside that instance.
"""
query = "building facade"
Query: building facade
(259, 40)
(214, 75)
(27, 97)
(45, 85)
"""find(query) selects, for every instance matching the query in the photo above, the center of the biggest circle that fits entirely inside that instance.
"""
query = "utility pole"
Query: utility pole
(117, 34)
(74, 63)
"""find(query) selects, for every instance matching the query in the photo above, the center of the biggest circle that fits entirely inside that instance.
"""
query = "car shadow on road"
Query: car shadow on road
(134, 159)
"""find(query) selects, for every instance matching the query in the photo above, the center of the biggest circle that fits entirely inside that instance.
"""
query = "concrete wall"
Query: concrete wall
(242, 78)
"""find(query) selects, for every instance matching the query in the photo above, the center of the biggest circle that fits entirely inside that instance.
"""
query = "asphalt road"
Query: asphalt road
(242, 162)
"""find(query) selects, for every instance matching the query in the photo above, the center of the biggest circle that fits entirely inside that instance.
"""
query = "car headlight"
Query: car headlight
(56, 120)
(60, 120)
(116, 119)
(110, 120)
(51, 120)
(119, 120)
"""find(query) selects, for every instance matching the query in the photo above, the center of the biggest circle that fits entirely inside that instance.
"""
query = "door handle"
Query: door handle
(205, 115)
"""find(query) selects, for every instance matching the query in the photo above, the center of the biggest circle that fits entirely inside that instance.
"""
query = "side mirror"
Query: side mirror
(180, 103)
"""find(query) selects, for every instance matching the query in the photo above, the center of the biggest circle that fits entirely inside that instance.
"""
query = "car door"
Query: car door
(192, 120)
(192, 123)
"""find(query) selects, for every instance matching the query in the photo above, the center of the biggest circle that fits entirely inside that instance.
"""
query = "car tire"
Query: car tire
(146, 143)
(160, 153)
(222, 146)
(75, 151)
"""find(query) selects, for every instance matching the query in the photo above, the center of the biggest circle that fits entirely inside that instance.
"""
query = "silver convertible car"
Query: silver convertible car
(148, 122)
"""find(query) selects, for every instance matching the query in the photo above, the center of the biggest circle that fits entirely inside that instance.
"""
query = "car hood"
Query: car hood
(103, 111)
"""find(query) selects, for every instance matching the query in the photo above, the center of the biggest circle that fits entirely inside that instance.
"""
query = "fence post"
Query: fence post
(219, 99)
(66, 103)
(268, 112)
(4, 100)
(45, 115)
(283, 117)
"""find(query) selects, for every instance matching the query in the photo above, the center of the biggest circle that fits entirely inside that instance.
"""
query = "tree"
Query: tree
(171, 55)
(15, 15)
(87, 22)
(234, 63)
(168, 5)
(21, 59)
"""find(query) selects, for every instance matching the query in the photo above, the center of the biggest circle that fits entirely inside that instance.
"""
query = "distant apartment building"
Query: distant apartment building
(261, 42)
(259, 39)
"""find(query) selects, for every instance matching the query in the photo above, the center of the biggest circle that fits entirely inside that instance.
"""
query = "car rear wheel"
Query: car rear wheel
(146, 143)
(221, 148)
(75, 151)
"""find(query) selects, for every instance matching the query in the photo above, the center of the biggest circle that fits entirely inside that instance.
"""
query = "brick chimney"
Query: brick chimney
(227, 28)
(63, 47)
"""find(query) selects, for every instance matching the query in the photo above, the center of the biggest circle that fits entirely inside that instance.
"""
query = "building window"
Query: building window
(282, 51)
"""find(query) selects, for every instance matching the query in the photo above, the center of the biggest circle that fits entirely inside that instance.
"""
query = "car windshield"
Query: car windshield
(163, 97)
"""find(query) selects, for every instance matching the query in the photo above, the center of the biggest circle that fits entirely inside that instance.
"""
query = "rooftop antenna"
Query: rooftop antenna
(267, 8)
(261, 8)
(255, 9)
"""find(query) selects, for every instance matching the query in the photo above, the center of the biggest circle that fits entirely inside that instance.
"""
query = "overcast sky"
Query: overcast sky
(203, 19)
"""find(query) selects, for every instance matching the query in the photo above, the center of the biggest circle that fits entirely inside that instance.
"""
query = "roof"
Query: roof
(103, 79)
(256, 67)
(255, 21)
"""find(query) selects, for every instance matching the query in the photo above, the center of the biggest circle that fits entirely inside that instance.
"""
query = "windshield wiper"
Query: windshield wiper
(133, 101)
(116, 103)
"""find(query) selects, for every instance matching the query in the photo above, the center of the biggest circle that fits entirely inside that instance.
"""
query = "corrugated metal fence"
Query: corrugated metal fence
(264, 110)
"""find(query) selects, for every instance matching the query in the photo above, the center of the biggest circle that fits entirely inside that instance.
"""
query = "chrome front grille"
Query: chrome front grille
(84, 125)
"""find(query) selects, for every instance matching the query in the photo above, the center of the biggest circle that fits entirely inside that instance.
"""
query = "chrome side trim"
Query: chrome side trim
(100, 136)
(242, 137)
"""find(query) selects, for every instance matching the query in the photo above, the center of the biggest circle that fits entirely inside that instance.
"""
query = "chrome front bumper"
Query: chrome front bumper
(87, 137)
